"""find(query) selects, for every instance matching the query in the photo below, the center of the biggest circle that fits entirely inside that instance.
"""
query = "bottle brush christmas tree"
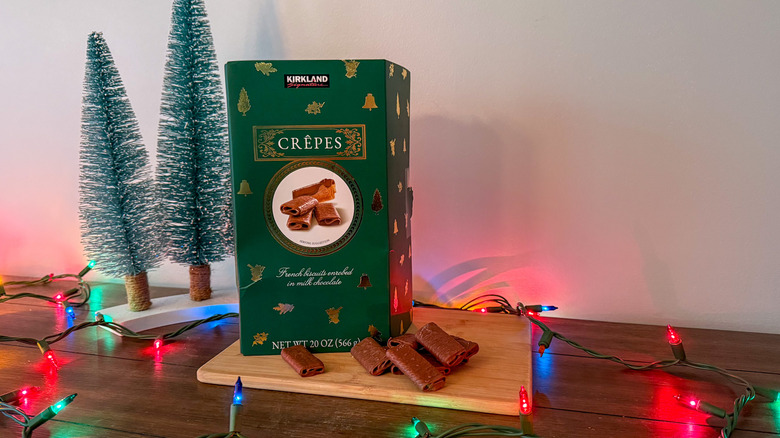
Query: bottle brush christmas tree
(117, 198)
(192, 151)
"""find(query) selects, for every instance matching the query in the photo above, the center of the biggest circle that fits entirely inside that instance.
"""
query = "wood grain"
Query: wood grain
(488, 383)
(126, 390)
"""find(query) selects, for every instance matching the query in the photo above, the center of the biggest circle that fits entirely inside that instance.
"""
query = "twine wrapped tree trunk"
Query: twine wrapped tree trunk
(118, 220)
(192, 152)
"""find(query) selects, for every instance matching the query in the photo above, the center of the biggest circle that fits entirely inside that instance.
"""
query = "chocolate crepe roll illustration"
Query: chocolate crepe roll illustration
(326, 214)
(324, 190)
(302, 361)
(407, 338)
(299, 205)
(472, 348)
(300, 222)
(443, 369)
(371, 355)
(441, 345)
(416, 368)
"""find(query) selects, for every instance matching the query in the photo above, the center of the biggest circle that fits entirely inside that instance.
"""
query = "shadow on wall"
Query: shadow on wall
(264, 37)
(473, 212)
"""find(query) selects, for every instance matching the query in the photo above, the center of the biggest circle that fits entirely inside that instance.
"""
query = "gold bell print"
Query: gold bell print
(370, 102)
(364, 282)
(244, 189)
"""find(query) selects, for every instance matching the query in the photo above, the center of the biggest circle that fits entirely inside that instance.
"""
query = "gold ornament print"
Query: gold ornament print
(244, 188)
(257, 272)
(392, 69)
(404, 73)
(243, 102)
(392, 147)
(395, 226)
(260, 338)
(333, 315)
(404, 145)
(351, 67)
(400, 187)
(402, 259)
(265, 68)
(398, 105)
(315, 107)
(283, 308)
(370, 103)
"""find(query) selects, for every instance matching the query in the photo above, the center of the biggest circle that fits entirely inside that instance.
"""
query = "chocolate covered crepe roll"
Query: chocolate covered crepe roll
(301, 222)
(416, 368)
(443, 369)
(472, 348)
(299, 205)
(326, 214)
(442, 346)
(371, 355)
(324, 190)
(407, 338)
(302, 361)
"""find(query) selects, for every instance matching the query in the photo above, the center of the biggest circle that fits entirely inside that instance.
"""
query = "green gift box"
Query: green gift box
(322, 207)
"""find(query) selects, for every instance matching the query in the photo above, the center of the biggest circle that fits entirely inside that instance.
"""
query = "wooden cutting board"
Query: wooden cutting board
(489, 382)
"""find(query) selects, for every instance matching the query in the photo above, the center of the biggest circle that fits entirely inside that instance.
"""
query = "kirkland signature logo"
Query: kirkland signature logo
(306, 81)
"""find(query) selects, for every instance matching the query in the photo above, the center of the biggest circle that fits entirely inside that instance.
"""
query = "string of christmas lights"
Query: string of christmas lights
(488, 303)
(28, 423)
(501, 305)
(83, 289)
(235, 414)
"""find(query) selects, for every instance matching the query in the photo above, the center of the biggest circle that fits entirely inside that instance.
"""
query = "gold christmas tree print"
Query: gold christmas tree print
(406, 220)
(257, 272)
(315, 107)
(243, 102)
(283, 308)
(406, 288)
(397, 105)
(260, 338)
(401, 260)
(392, 70)
(351, 67)
(404, 145)
(402, 326)
(407, 108)
(395, 299)
(265, 68)
(404, 73)
(392, 147)
(400, 186)
(395, 226)
(333, 315)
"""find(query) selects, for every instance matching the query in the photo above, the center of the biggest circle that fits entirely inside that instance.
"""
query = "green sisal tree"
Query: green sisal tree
(118, 223)
(192, 151)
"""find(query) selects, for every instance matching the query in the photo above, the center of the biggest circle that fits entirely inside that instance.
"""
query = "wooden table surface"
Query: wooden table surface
(126, 390)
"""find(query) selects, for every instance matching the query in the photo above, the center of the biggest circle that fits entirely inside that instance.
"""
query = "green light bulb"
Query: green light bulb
(60, 405)
(91, 264)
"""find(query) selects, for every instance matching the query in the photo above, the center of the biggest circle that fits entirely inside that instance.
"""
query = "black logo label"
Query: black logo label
(306, 81)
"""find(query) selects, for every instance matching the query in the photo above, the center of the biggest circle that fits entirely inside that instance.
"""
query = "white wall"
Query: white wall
(618, 159)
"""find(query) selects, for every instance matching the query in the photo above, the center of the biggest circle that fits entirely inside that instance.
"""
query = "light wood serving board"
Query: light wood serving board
(489, 382)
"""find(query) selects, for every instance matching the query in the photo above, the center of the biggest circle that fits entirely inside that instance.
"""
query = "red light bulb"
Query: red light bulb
(58, 297)
(672, 335)
(25, 392)
(525, 404)
(53, 359)
(532, 313)
(158, 343)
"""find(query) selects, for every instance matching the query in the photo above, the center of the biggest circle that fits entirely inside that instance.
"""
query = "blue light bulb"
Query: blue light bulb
(238, 392)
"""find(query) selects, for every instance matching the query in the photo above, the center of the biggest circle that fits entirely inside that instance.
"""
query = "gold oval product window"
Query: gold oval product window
(312, 207)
